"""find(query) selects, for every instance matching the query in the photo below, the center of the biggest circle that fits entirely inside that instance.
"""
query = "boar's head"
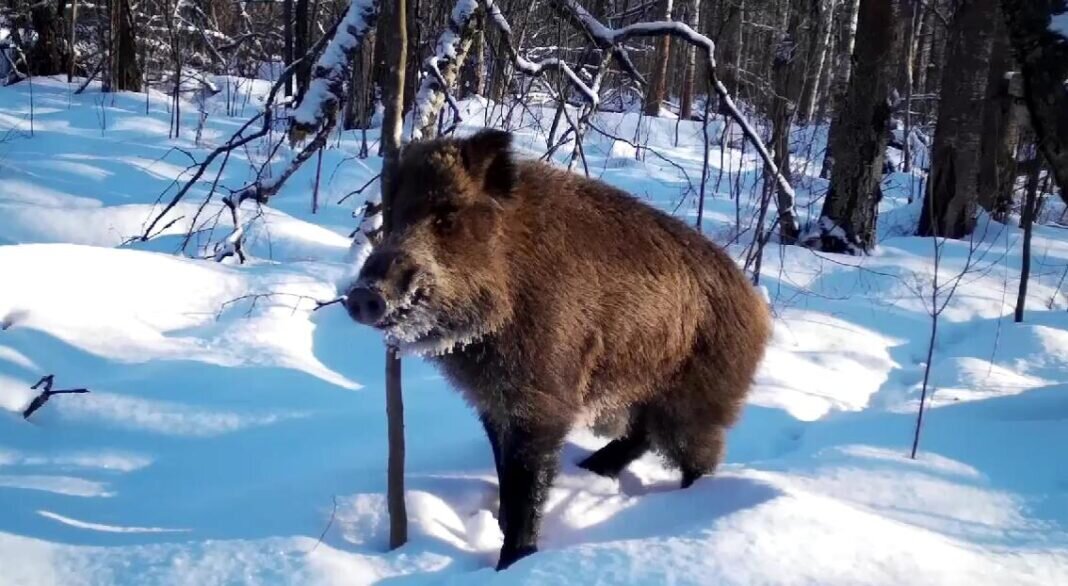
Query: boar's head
(439, 277)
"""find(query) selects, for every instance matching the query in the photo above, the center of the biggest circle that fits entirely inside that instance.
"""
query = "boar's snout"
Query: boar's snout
(365, 305)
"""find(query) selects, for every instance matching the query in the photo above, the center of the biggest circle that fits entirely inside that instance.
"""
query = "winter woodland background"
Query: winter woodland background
(184, 185)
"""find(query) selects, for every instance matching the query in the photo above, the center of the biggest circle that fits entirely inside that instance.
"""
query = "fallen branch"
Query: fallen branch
(46, 394)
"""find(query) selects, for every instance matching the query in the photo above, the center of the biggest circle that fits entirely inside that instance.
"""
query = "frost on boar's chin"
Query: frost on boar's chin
(546, 297)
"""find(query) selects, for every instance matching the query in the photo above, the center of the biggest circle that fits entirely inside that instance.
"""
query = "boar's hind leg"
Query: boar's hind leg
(617, 454)
(529, 462)
(695, 449)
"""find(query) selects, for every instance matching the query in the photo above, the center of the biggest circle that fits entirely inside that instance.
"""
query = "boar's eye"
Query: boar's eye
(445, 217)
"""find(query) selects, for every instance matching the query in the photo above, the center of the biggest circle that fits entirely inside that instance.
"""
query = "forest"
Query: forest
(188, 188)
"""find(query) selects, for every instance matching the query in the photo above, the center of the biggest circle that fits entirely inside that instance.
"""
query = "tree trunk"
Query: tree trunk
(903, 57)
(125, 72)
(924, 43)
(952, 189)
(502, 63)
(908, 22)
(1043, 58)
(360, 102)
(859, 137)
(786, 75)
(729, 50)
(1027, 222)
(821, 46)
(1001, 130)
(393, 30)
(693, 18)
(656, 94)
(71, 40)
(450, 53)
(301, 42)
(287, 32)
(936, 58)
(843, 71)
(49, 56)
(474, 75)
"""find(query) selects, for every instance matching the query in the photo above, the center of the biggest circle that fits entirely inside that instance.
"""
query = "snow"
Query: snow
(1059, 24)
(230, 424)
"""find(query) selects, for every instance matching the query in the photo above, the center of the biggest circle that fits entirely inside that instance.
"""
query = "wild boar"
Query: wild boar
(545, 296)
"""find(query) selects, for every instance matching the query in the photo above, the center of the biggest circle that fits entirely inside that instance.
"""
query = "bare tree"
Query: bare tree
(125, 71)
(1027, 222)
(841, 73)
(693, 19)
(49, 55)
(951, 198)
(787, 77)
(1002, 119)
(820, 48)
(1043, 58)
(393, 30)
(657, 92)
(859, 137)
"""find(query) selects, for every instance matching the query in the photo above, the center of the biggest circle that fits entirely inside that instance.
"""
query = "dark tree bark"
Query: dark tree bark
(1027, 222)
(860, 135)
(473, 79)
(693, 18)
(49, 55)
(657, 91)
(125, 71)
(502, 63)
(1001, 130)
(1043, 58)
(360, 105)
(819, 47)
(729, 47)
(952, 188)
(926, 37)
(301, 41)
(71, 40)
(287, 33)
(787, 75)
(393, 31)
(841, 76)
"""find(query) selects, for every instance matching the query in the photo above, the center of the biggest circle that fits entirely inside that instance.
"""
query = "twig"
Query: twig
(329, 523)
(47, 394)
(360, 190)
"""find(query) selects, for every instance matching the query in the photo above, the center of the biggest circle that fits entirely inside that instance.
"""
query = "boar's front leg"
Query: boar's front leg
(495, 434)
(528, 467)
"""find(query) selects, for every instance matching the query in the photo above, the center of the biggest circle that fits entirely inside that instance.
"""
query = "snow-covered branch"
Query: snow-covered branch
(443, 66)
(536, 68)
(368, 233)
(326, 90)
(605, 36)
(240, 139)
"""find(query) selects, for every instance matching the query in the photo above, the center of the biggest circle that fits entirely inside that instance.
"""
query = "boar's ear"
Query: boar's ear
(488, 156)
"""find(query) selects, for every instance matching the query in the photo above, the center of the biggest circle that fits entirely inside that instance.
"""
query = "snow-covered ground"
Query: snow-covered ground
(229, 425)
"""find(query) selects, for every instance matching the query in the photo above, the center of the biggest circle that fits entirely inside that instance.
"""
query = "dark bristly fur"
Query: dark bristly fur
(545, 296)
